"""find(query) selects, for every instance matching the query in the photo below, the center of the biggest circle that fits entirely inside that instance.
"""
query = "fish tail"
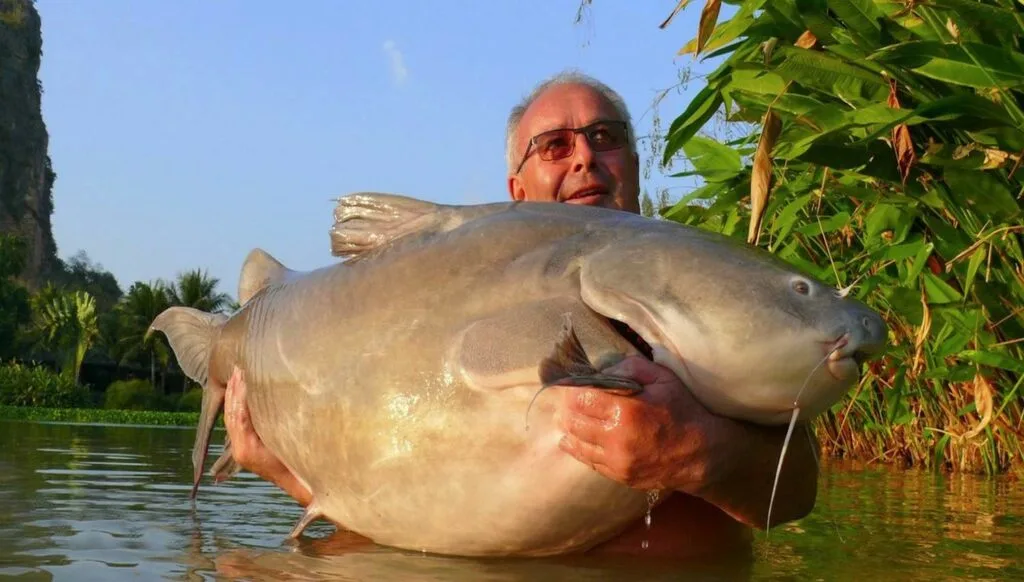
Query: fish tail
(192, 335)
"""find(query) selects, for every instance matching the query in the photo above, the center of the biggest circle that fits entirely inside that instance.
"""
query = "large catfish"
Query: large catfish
(395, 384)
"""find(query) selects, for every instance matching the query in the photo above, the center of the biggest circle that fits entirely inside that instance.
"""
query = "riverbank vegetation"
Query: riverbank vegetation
(879, 147)
(77, 346)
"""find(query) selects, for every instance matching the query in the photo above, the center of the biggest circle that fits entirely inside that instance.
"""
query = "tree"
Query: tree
(65, 322)
(138, 309)
(198, 290)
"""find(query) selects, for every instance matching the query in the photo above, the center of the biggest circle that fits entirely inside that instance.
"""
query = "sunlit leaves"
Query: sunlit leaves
(896, 170)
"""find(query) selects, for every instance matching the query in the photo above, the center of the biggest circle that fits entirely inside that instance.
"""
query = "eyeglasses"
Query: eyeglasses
(556, 144)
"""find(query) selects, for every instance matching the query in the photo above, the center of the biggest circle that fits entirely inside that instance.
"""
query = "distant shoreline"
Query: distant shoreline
(102, 416)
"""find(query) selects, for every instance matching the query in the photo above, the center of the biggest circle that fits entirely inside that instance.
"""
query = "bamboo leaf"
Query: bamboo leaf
(830, 224)
(679, 6)
(980, 13)
(716, 162)
(972, 268)
(862, 17)
(761, 176)
(786, 218)
(971, 64)
(727, 32)
(684, 127)
(902, 144)
(708, 20)
(939, 291)
(993, 359)
(814, 14)
(984, 192)
(819, 70)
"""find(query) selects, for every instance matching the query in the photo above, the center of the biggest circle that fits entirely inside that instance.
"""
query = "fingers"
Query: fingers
(586, 428)
(584, 452)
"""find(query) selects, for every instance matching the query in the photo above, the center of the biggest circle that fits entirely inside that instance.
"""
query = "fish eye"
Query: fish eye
(801, 287)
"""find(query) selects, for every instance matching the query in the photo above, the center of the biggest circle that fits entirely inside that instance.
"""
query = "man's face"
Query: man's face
(587, 176)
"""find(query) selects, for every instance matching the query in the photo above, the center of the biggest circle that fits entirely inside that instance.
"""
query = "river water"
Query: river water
(92, 502)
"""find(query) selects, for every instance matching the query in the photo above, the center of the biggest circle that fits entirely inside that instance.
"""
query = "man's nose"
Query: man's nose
(583, 156)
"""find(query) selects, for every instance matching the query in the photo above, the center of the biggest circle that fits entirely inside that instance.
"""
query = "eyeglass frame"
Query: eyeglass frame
(575, 131)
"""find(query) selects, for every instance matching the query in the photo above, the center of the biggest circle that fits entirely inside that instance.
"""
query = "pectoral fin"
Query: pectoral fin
(311, 514)
(568, 365)
(531, 344)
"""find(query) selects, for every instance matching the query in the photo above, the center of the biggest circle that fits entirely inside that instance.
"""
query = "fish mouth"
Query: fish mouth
(634, 338)
(845, 358)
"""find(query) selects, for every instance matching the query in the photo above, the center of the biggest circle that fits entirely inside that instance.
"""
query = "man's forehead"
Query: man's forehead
(566, 106)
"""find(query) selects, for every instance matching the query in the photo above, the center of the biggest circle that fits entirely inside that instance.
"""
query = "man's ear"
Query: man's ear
(515, 190)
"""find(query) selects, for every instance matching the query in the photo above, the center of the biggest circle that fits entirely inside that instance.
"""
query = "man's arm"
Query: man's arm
(248, 450)
(665, 439)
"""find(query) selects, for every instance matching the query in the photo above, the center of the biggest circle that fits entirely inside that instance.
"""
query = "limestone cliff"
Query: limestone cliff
(26, 177)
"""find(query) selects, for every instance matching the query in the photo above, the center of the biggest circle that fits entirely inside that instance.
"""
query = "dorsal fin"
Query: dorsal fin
(259, 270)
(366, 221)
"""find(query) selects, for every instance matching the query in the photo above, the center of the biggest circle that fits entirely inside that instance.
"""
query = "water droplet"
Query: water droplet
(643, 545)
(652, 499)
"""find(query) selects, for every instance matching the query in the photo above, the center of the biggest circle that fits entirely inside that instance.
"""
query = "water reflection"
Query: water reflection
(109, 502)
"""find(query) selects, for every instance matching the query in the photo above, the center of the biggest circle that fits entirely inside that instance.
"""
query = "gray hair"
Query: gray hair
(568, 77)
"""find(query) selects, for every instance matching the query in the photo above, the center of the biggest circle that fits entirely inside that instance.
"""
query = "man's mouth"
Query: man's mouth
(589, 195)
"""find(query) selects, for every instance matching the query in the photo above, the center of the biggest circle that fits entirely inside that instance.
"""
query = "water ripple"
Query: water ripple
(94, 502)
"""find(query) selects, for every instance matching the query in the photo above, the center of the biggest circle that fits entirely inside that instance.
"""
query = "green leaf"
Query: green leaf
(815, 17)
(862, 17)
(938, 291)
(726, 32)
(887, 217)
(993, 359)
(983, 191)
(971, 64)
(756, 81)
(684, 127)
(976, 13)
(785, 219)
(829, 224)
(901, 251)
(788, 103)
(715, 161)
(972, 268)
(818, 70)
(920, 261)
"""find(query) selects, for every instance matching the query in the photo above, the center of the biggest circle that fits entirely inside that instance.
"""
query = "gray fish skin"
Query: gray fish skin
(394, 385)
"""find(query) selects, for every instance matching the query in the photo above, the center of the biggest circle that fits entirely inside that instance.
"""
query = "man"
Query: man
(572, 141)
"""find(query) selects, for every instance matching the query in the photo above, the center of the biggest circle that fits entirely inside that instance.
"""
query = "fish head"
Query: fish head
(751, 336)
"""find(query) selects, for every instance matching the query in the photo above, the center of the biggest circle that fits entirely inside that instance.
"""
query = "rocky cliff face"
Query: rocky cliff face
(26, 177)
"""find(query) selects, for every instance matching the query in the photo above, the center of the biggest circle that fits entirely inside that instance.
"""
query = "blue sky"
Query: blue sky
(185, 133)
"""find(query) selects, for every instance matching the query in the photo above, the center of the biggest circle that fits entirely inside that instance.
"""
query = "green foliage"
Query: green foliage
(133, 395)
(65, 322)
(22, 385)
(191, 401)
(94, 415)
(897, 171)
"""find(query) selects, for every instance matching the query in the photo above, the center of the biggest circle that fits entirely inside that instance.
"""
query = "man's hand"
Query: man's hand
(248, 450)
(665, 439)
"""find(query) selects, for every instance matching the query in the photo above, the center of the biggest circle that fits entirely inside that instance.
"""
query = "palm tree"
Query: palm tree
(136, 311)
(66, 324)
(198, 290)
